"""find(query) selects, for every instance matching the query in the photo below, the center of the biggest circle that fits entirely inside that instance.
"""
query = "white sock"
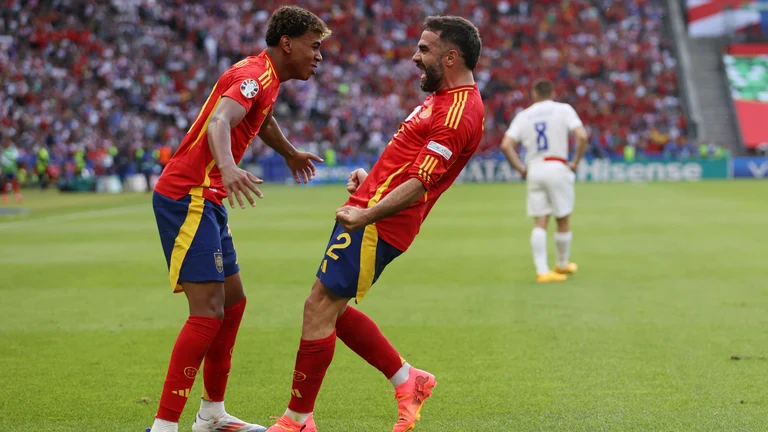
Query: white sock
(539, 247)
(563, 242)
(401, 376)
(164, 426)
(300, 418)
(211, 410)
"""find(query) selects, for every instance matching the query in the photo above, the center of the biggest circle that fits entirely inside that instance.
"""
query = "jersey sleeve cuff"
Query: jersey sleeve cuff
(242, 104)
(427, 184)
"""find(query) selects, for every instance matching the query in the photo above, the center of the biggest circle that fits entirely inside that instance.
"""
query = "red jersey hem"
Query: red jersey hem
(180, 193)
(392, 241)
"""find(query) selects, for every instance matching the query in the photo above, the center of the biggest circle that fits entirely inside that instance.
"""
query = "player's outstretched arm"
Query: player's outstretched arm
(354, 218)
(508, 147)
(581, 147)
(300, 163)
(228, 114)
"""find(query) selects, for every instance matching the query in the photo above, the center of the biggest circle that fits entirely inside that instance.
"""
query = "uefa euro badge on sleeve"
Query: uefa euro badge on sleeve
(249, 88)
(218, 258)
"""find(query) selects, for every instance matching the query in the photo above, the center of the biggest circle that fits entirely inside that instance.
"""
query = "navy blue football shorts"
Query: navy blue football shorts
(354, 261)
(196, 240)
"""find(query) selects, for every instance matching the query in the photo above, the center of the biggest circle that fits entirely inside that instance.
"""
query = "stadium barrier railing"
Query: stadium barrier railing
(494, 169)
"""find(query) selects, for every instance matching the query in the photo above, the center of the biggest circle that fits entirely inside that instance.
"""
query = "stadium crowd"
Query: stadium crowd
(104, 85)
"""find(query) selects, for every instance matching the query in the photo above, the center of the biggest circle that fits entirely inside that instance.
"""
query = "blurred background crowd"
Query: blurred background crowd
(111, 87)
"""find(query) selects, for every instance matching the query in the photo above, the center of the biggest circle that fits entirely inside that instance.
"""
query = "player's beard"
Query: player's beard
(432, 79)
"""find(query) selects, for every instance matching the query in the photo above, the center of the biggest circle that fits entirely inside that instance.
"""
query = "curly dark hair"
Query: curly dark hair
(294, 21)
(459, 32)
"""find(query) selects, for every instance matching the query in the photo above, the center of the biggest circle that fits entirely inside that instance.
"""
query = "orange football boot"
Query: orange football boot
(571, 268)
(287, 424)
(411, 396)
(550, 276)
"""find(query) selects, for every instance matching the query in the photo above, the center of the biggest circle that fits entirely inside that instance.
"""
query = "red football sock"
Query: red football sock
(188, 353)
(15, 186)
(218, 359)
(312, 362)
(358, 331)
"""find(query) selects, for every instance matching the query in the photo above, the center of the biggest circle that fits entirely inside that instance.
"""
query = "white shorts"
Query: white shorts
(550, 189)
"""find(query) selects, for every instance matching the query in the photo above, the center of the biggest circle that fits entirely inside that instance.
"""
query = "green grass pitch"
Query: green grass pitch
(672, 283)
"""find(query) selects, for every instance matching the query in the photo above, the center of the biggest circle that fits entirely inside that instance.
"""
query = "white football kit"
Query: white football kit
(543, 130)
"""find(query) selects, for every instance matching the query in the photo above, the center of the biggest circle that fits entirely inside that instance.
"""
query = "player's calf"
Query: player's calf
(316, 349)
(361, 334)
(563, 238)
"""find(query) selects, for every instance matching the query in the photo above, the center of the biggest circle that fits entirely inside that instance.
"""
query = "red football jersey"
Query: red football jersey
(253, 83)
(433, 145)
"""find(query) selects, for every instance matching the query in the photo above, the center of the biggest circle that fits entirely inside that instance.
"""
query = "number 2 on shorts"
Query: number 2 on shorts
(345, 241)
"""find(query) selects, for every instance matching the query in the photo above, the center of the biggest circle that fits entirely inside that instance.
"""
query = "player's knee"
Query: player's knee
(213, 307)
(218, 312)
(210, 309)
(314, 303)
(541, 222)
(233, 290)
(205, 299)
(322, 306)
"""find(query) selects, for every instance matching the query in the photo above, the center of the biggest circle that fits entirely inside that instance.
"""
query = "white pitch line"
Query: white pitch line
(75, 216)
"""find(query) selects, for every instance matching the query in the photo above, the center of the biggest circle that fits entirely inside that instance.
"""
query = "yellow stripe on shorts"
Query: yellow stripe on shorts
(367, 261)
(370, 242)
(184, 240)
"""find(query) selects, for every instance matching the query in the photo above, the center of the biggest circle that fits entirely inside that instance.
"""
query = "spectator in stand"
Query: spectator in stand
(106, 76)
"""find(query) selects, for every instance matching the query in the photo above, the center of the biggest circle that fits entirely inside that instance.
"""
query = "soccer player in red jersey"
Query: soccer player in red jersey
(192, 221)
(382, 218)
